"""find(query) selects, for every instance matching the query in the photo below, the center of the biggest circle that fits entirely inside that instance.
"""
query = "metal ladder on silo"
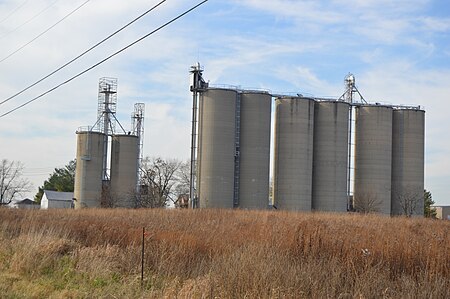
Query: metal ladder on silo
(237, 153)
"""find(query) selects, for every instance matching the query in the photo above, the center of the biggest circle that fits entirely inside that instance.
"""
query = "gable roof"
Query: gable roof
(26, 201)
(56, 195)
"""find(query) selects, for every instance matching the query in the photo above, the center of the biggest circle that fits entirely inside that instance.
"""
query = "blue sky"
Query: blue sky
(399, 52)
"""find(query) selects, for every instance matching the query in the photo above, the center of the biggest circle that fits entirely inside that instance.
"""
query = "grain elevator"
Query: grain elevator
(333, 155)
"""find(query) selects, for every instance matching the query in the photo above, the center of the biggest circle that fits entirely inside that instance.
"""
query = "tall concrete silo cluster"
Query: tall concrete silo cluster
(323, 160)
(233, 148)
(389, 159)
(311, 154)
(107, 167)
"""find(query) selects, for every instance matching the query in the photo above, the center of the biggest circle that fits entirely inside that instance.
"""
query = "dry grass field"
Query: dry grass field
(221, 254)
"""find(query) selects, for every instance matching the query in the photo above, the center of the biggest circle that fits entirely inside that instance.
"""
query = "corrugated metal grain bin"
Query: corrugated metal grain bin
(216, 148)
(254, 150)
(124, 158)
(373, 159)
(408, 135)
(88, 174)
(293, 154)
(330, 158)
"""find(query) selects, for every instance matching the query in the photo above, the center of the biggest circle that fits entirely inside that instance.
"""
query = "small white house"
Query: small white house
(57, 200)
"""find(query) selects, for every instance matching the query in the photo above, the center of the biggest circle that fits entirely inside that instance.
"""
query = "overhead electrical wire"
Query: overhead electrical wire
(13, 11)
(82, 54)
(45, 31)
(29, 20)
(105, 59)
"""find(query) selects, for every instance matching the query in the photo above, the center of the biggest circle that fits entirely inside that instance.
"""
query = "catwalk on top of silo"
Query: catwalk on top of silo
(330, 158)
(293, 155)
(408, 134)
(373, 159)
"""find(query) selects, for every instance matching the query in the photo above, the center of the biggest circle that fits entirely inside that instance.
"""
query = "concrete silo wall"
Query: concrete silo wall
(124, 156)
(330, 158)
(408, 134)
(254, 150)
(293, 154)
(88, 174)
(216, 148)
(373, 159)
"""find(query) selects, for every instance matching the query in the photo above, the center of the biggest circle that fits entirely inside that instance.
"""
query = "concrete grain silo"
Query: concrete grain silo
(330, 158)
(216, 148)
(124, 163)
(255, 118)
(293, 154)
(408, 134)
(373, 158)
(89, 168)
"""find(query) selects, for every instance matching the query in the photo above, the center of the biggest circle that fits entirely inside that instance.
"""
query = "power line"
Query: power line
(29, 20)
(82, 54)
(14, 11)
(45, 31)
(106, 59)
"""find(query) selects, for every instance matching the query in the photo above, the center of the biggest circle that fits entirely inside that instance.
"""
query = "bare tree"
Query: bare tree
(182, 202)
(108, 199)
(183, 178)
(409, 201)
(11, 182)
(366, 202)
(158, 184)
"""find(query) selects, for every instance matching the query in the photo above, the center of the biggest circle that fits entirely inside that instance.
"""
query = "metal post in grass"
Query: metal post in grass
(142, 257)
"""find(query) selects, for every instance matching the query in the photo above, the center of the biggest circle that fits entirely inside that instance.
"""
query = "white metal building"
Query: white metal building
(57, 200)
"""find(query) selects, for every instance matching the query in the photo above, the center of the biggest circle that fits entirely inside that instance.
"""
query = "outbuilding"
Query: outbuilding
(57, 200)
(25, 203)
(442, 212)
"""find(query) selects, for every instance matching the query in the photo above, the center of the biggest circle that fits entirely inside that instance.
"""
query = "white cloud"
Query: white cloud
(306, 81)
(435, 24)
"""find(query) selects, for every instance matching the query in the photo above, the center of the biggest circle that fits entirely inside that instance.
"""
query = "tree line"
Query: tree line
(163, 182)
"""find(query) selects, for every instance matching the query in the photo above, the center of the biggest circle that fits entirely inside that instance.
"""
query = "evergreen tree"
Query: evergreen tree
(429, 211)
(62, 179)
